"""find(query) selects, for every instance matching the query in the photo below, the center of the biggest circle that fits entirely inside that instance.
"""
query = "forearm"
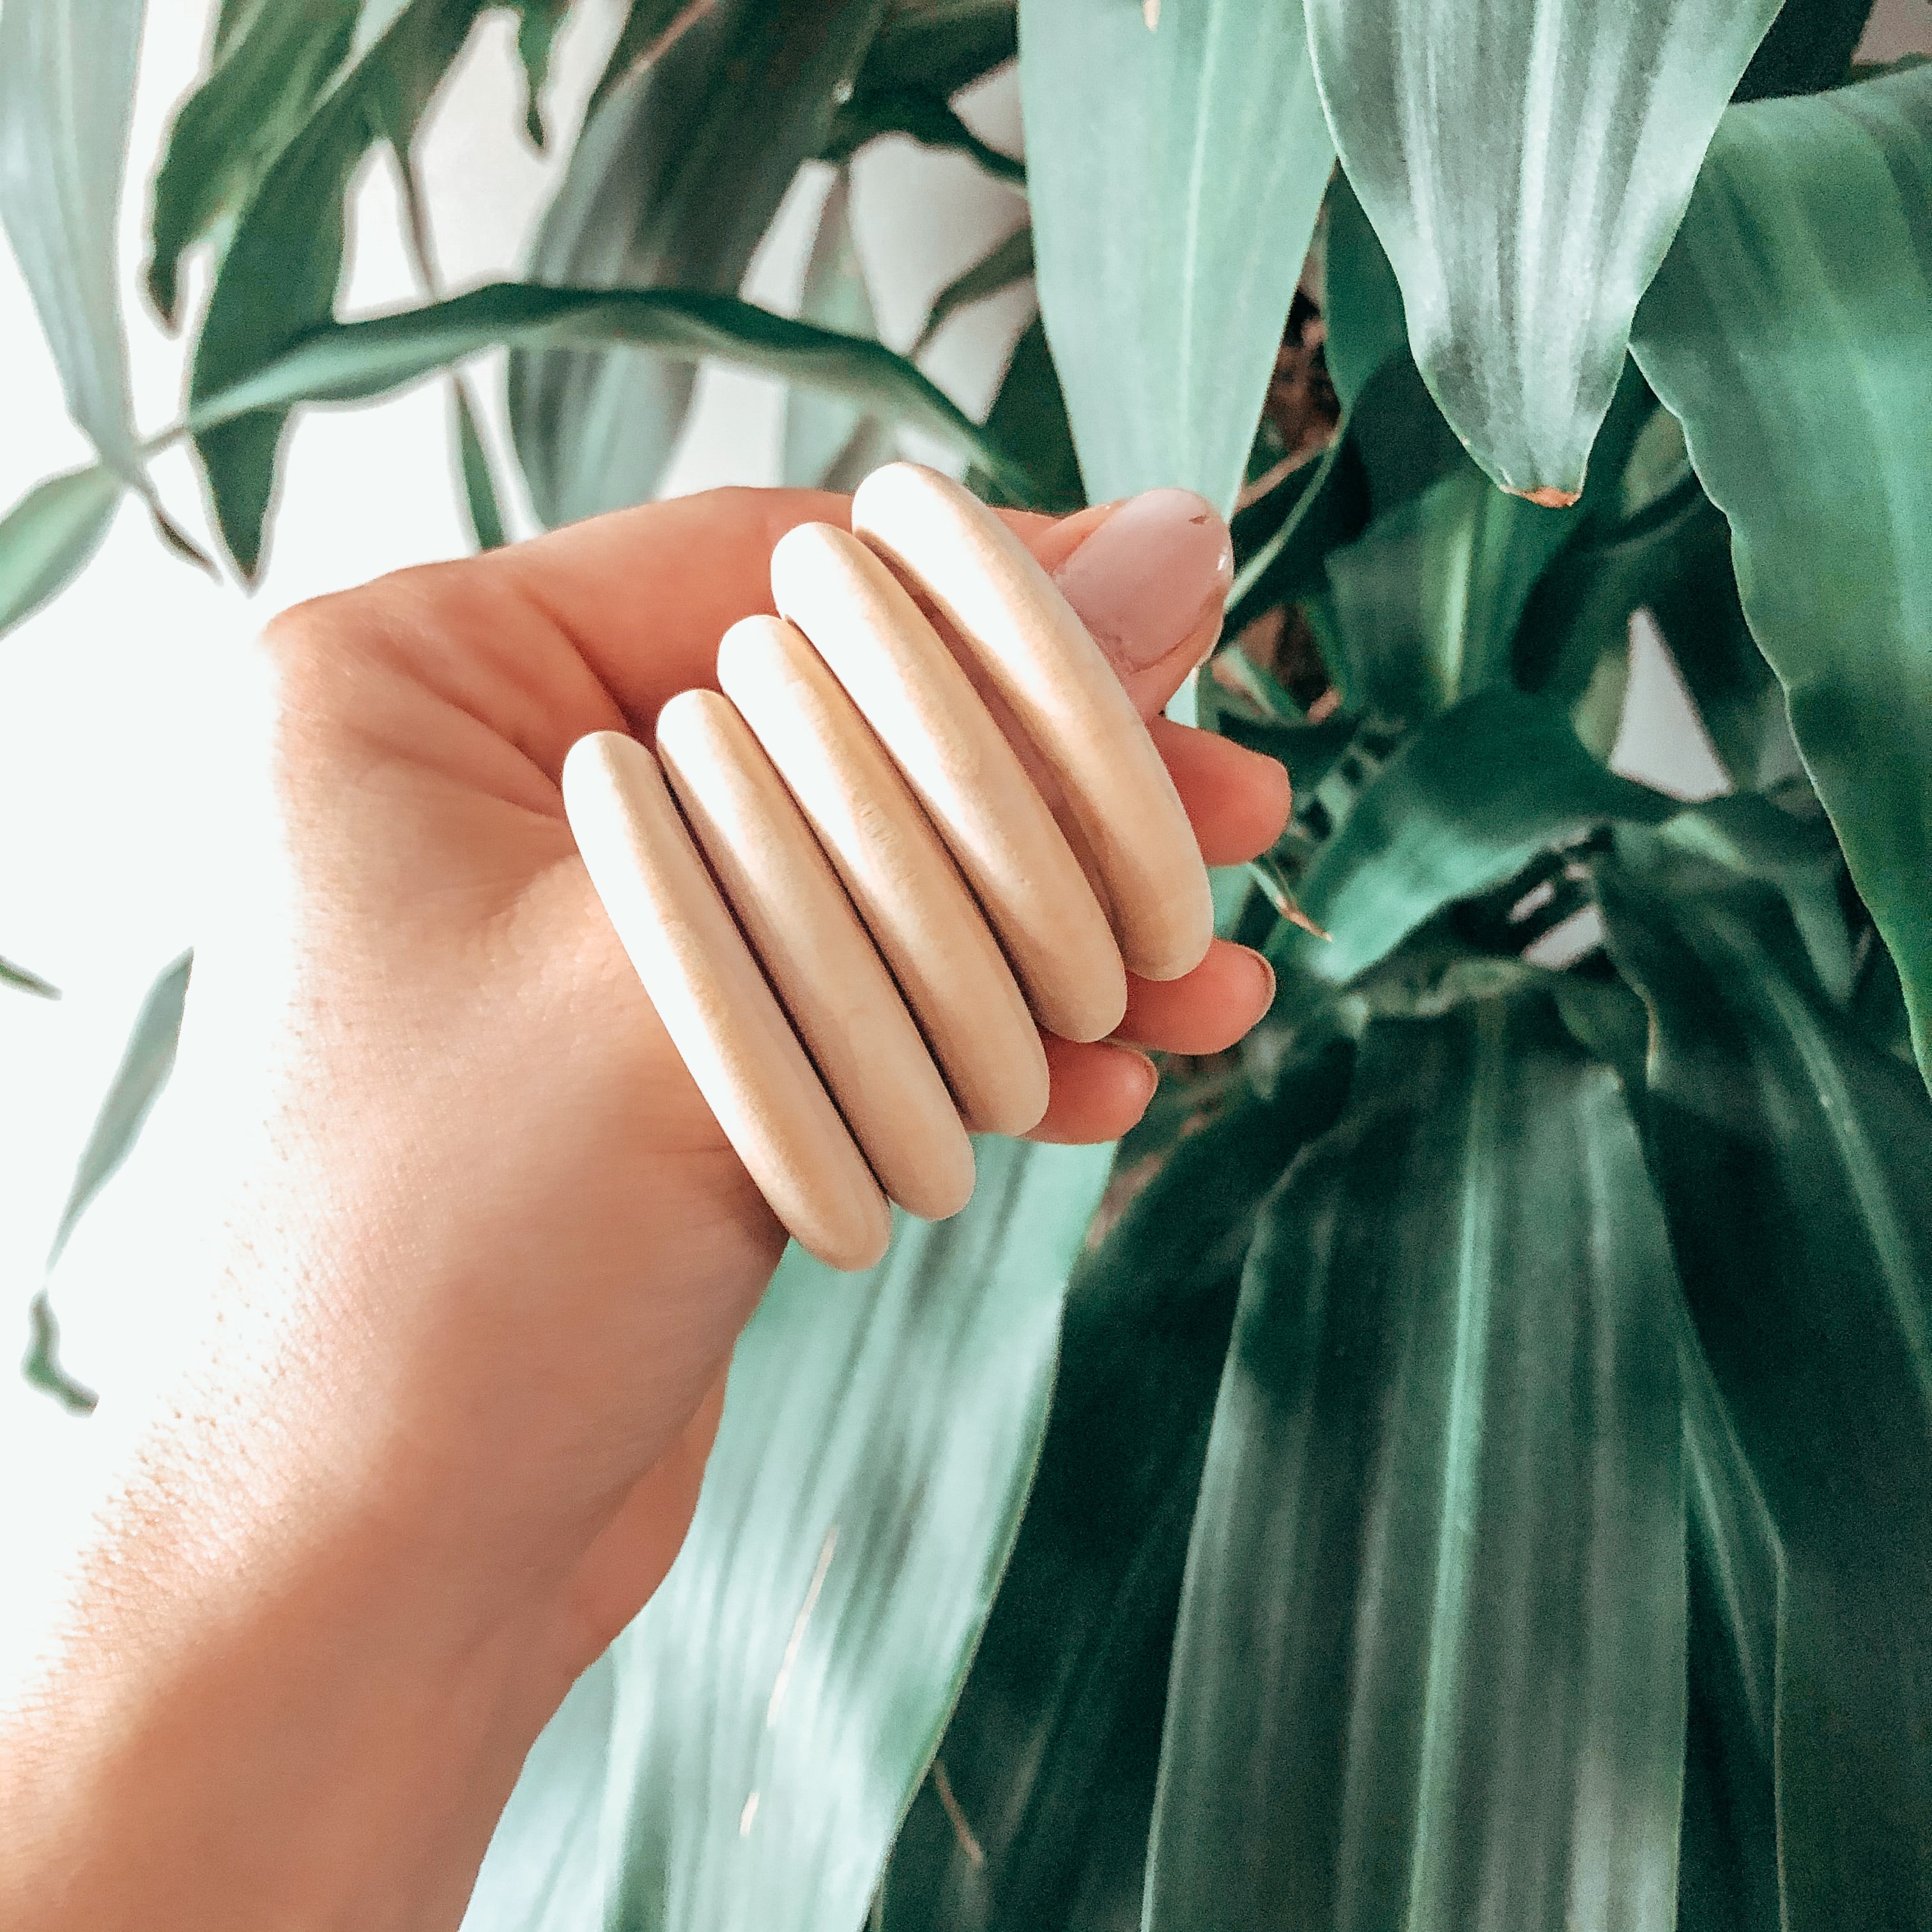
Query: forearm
(277, 1709)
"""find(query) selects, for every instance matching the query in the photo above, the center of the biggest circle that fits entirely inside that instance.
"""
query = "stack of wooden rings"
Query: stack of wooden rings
(857, 911)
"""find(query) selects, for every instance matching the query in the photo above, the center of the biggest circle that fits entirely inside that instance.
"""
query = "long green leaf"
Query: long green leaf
(1795, 1160)
(1028, 419)
(779, 1701)
(922, 114)
(12, 975)
(650, 27)
(1673, 560)
(1727, 1855)
(146, 1061)
(828, 443)
(1786, 332)
(1809, 47)
(1048, 1765)
(48, 536)
(537, 24)
(272, 65)
(944, 45)
(674, 181)
(1174, 176)
(1004, 264)
(479, 487)
(1525, 163)
(1430, 1669)
(278, 278)
(349, 361)
(67, 92)
(1464, 803)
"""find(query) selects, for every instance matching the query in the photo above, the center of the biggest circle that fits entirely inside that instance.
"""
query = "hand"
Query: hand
(485, 1253)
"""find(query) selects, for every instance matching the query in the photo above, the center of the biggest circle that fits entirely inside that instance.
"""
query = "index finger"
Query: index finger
(646, 594)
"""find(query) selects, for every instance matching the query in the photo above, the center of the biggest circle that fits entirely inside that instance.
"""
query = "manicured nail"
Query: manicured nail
(1149, 576)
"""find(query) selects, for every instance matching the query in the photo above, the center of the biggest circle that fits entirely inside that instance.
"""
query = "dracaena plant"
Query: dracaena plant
(1467, 1459)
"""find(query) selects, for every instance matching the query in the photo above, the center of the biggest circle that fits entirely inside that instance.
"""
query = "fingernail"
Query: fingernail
(1149, 576)
(1265, 977)
(1150, 1074)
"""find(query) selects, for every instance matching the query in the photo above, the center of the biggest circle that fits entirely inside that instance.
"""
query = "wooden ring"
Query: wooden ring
(898, 872)
(816, 954)
(715, 1004)
(990, 587)
(898, 671)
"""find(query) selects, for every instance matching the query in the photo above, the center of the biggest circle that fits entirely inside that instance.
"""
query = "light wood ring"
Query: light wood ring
(899, 873)
(817, 955)
(899, 672)
(990, 587)
(715, 1004)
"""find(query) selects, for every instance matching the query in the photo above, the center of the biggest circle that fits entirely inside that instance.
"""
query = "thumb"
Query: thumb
(1148, 577)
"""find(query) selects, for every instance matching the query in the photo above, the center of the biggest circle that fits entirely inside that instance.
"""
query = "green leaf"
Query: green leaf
(1791, 1157)
(49, 534)
(12, 975)
(1810, 47)
(827, 440)
(146, 1061)
(1361, 301)
(649, 29)
(1429, 599)
(1430, 1667)
(1427, 602)
(1049, 1759)
(349, 361)
(1005, 263)
(479, 489)
(1672, 559)
(1174, 177)
(921, 114)
(537, 23)
(1028, 419)
(271, 66)
(67, 69)
(1525, 221)
(1786, 332)
(279, 276)
(1727, 1858)
(674, 181)
(942, 45)
(1464, 803)
(778, 1702)
(40, 1367)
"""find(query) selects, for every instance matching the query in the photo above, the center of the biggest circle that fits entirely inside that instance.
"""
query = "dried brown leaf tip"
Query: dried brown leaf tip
(1547, 496)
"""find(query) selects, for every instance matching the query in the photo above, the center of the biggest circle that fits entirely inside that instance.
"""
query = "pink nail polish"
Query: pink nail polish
(1149, 574)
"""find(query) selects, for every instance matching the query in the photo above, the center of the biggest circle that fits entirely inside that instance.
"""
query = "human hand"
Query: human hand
(486, 1252)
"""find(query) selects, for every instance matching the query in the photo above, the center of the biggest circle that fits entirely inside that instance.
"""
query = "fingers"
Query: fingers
(1238, 799)
(1097, 1092)
(1205, 1011)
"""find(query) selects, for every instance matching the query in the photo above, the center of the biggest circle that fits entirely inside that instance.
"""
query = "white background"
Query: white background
(108, 698)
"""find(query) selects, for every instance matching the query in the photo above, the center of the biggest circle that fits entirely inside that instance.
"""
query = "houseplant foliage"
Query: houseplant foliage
(1476, 1467)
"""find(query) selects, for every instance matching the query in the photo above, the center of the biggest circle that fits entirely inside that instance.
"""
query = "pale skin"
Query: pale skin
(483, 1251)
